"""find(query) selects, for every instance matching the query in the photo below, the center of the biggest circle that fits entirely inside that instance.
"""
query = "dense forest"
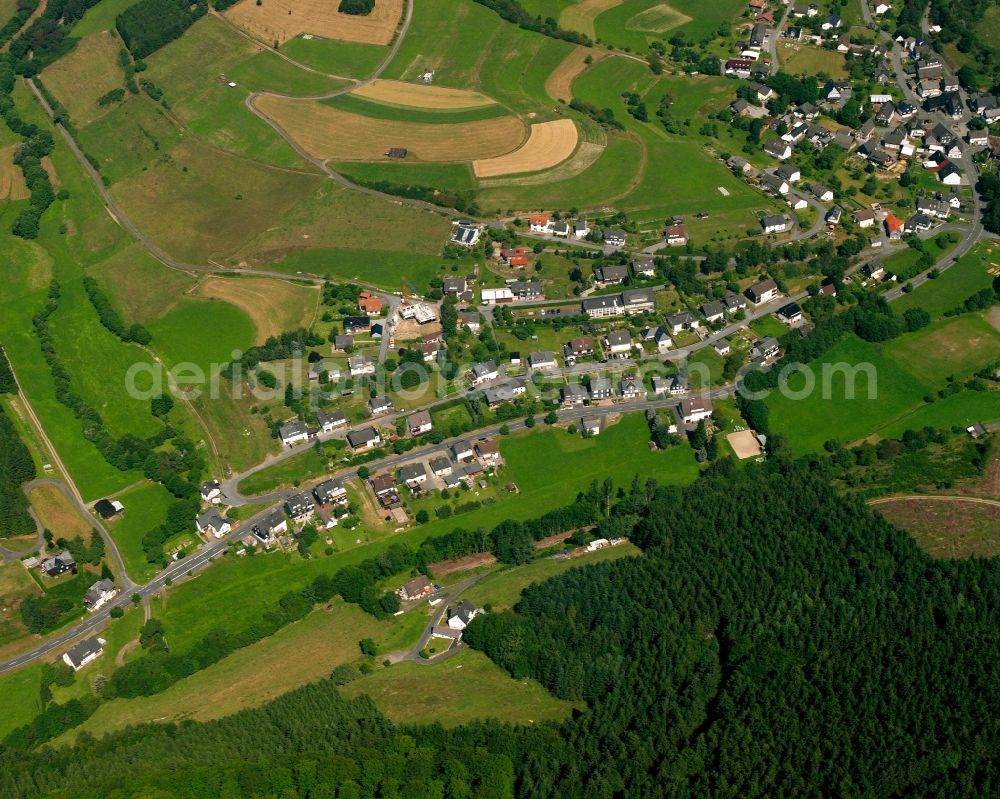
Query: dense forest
(773, 640)
(16, 468)
(150, 24)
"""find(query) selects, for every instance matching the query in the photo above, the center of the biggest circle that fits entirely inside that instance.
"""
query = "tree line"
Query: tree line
(513, 11)
(110, 317)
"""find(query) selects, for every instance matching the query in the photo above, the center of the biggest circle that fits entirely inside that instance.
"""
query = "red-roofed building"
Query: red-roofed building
(539, 223)
(370, 304)
(893, 226)
(758, 5)
(517, 257)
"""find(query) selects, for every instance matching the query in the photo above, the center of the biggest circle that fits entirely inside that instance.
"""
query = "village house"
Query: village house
(764, 350)
(483, 373)
(775, 223)
(873, 270)
(440, 466)
(419, 423)
(684, 320)
(722, 347)
(591, 425)
(542, 360)
(763, 291)
(270, 527)
(99, 594)
(413, 474)
(60, 564)
(821, 192)
(676, 235)
(501, 296)
(950, 174)
(211, 491)
(470, 320)
(864, 218)
(539, 223)
(330, 421)
(635, 301)
(300, 506)
(604, 306)
(893, 226)
(464, 234)
(360, 365)
(788, 172)
(527, 289)
(917, 223)
(293, 433)
(212, 523)
(560, 229)
(790, 313)
(600, 388)
(504, 392)
(356, 324)
(614, 237)
(573, 394)
(83, 653)
(738, 67)
(342, 342)
(370, 304)
(611, 275)
(516, 258)
(581, 229)
(693, 411)
(577, 348)
(461, 451)
(417, 588)
(460, 616)
(618, 342)
(644, 266)
(713, 311)
(382, 485)
(777, 148)
(454, 285)
(734, 302)
(631, 388)
(364, 438)
(378, 406)
(330, 492)
(774, 185)
(488, 450)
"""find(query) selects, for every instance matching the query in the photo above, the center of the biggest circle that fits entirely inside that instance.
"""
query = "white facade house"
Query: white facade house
(497, 296)
(293, 433)
(213, 523)
(693, 411)
(84, 652)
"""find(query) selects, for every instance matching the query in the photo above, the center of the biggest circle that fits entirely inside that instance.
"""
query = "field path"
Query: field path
(942, 497)
(27, 23)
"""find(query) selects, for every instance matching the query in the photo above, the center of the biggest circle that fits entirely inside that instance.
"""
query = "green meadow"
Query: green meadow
(956, 284)
(455, 177)
(334, 57)
(180, 335)
(633, 25)
(145, 509)
(432, 116)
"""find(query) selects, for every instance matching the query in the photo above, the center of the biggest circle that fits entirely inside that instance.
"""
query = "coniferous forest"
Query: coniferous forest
(774, 639)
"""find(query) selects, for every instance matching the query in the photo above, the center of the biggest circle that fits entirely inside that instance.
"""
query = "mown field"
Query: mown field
(907, 370)
(956, 284)
(145, 509)
(350, 59)
(633, 25)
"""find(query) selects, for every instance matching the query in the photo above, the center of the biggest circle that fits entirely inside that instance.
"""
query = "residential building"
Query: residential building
(676, 235)
(360, 365)
(763, 291)
(644, 266)
(356, 324)
(488, 450)
(821, 192)
(330, 421)
(330, 492)
(419, 423)
(591, 425)
(454, 285)
(461, 451)
(213, 523)
(497, 296)
(777, 148)
(765, 349)
(370, 304)
(611, 275)
(83, 653)
(539, 223)
(413, 474)
(775, 223)
(773, 184)
(684, 320)
(573, 394)
(342, 342)
(504, 392)
(464, 234)
(713, 311)
(542, 360)
(293, 433)
(790, 313)
(603, 306)
(721, 347)
(638, 301)
(99, 594)
(580, 228)
(833, 216)
(788, 172)
(211, 491)
(417, 588)
(615, 237)
(483, 373)
(600, 388)
(470, 320)
(527, 290)
(460, 616)
(300, 506)
(864, 218)
(693, 411)
(618, 342)
(440, 466)
(378, 406)
(631, 388)
(893, 226)
(364, 438)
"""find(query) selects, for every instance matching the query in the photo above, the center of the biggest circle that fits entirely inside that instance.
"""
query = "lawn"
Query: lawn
(960, 281)
(633, 25)
(350, 59)
(808, 60)
(145, 509)
(298, 654)
(460, 689)
(905, 264)
(502, 589)
(907, 369)
(306, 465)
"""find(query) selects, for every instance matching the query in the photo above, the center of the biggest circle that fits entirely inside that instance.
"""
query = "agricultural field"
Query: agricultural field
(58, 514)
(274, 306)
(947, 528)
(280, 20)
(100, 17)
(457, 690)
(12, 185)
(16, 584)
(548, 144)
(907, 369)
(86, 73)
(141, 287)
(633, 25)
(419, 95)
(145, 509)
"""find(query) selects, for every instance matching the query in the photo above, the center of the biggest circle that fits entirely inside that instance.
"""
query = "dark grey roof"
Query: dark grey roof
(84, 649)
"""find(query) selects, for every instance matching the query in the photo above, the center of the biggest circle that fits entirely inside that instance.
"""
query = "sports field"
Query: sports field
(548, 144)
(280, 20)
(331, 134)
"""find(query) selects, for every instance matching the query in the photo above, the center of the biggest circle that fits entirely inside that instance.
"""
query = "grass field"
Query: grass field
(959, 282)
(306, 465)
(456, 177)
(15, 585)
(359, 104)
(382, 269)
(82, 76)
(959, 409)
(202, 332)
(350, 59)
(141, 287)
(769, 325)
(145, 509)
(905, 264)
(807, 60)
(58, 514)
(303, 652)
(274, 306)
(502, 589)
(457, 690)
(947, 528)
(100, 17)
(633, 25)
(907, 368)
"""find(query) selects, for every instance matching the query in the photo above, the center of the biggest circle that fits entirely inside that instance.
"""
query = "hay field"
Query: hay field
(57, 513)
(274, 306)
(586, 156)
(580, 17)
(658, 19)
(559, 85)
(550, 143)
(329, 133)
(418, 95)
(281, 20)
(82, 76)
(12, 185)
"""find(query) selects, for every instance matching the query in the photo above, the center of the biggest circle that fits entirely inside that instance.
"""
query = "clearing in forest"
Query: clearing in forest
(281, 20)
(549, 144)
(947, 527)
(329, 133)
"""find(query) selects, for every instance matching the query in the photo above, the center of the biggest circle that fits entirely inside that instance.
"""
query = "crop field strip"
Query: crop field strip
(281, 20)
(417, 95)
(548, 144)
(559, 84)
(12, 185)
(580, 16)
(328, 133)
(335, 57)
(357, 104)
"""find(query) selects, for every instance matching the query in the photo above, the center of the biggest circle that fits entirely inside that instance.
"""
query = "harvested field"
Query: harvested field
(328, 133)
(658, 19)
(550, 143)
(57, 513)
(281, 20)
(744, 444)
(274, 306)
(947, 527)
(581, 16)
(81, 77)
(586, 155)
(12, 185)
(559, 85)
(419, 95)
